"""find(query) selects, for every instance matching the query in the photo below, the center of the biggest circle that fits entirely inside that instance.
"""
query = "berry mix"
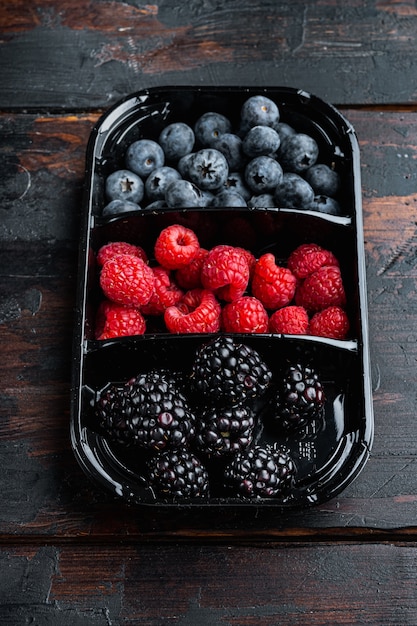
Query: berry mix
(202, 432)
(260, 162)
(215, 428)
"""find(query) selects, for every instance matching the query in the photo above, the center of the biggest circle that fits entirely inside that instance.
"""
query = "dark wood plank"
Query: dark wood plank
(44, 492)
(153, 585)
(88, 54)
(42, 160)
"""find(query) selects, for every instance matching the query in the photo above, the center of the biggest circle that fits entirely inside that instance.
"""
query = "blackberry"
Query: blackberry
(149, 411)
(260, 472)
(178, 474)
(229, 373)
(300, 397)
(224, 431)
(114, 412)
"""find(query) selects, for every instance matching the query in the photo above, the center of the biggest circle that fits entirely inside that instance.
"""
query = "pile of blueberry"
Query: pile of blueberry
(261, 164)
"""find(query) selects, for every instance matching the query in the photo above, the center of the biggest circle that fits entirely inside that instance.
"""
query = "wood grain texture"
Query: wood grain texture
(206, 585)
(88, 54)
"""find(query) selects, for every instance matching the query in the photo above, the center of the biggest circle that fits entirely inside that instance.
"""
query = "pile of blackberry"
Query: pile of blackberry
(228, 378)
(205, 435)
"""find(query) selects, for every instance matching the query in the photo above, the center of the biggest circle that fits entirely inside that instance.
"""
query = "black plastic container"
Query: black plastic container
(328, 455)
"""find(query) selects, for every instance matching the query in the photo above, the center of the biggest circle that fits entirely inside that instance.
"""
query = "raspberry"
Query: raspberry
(225, 271)
(198, 312)
(110, 250)
(176, 246)
(166, 293)
(245, 315)
(118, 320)
(250, 258)
(307, 258)
(190, 300)
(189, 276)
(290, 320)
(126, 279)
(321, 289)
(273, 285)
(331, 322)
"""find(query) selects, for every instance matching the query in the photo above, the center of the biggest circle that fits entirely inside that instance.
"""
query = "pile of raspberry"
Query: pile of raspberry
(195, 290)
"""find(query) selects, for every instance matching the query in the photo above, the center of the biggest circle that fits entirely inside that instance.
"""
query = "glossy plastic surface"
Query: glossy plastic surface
(329, 454)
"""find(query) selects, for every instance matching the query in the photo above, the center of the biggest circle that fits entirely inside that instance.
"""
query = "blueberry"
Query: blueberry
(208, 169)
(298, 152)
(206, 197)
(156, 205)
(261, 140)
(284, 130)
(176, 140)
(114, 207)
(230, 145)
(293, 192)
(262, 201)
(324, 180)
(144, 156)
(183, 194)
(236, 182)
(228, 198)
(124, 185)
(258, 110)
(158, 181)
(263, 174)
(325, 204)
(210, 126)
(184, 164)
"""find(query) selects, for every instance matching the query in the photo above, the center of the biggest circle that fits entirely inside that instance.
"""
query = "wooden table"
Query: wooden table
(71, 554)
